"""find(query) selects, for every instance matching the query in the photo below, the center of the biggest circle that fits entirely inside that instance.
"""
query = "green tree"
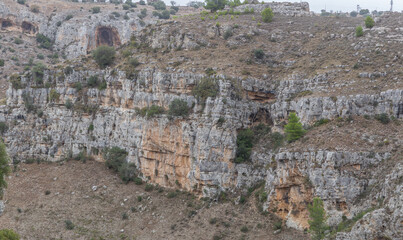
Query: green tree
(294, 128)
(317, 219)
(104, 55)
(215, 5)
(267, 15)
(4, 167)
(359, 31)
(369, 22)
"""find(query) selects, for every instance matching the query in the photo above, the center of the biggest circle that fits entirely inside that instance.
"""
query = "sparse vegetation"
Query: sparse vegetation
(383, 118)
(151, 111)
(96, 10)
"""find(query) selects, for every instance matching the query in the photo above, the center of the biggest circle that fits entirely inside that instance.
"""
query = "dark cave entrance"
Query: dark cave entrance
(28, 27)
(107, 36)
(5, 23)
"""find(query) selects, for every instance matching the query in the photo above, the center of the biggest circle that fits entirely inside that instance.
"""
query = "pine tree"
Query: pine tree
(317, 222)
(4, 167)
(294, 128)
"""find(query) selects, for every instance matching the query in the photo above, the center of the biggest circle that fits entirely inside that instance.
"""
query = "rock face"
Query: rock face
(2, 207)
(196, 153)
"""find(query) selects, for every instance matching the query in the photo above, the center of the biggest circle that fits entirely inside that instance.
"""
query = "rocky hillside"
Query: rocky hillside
(233, 74)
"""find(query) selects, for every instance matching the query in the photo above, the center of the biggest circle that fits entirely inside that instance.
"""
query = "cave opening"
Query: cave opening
(28, 27)
(5, 23)
(107, 36)
(262, 116)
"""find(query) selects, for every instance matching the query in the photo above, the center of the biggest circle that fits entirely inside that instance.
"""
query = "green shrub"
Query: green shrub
(317, 219)
(68, 104)
(104, 55)
(359, 31)
(178, 107)
(3, 127)
(34, 9)
(172, 194)
(54, 95)
(244, 229)
(294, 128)
(244, 144)
(276, 140)
(267, 15)
(277, 225)
(383, 118)
(69, 224)
(369, 22)
(28, 102)
(68, 17)
(68, 70)
(213, 221)
(44, 42)
(114, 157)
(4, 167)
(16, 82)
(138, 181)
(92, 81)
(7, 234)
(78, 86)
(228, 33)
(259, 54)
(142, 2)
(127, 172)
(18, 41)
(150, 112)
(102, 85)
(1, 62)
(321, 122)
(205, 88)
(96, 10)
(21, 2)
(149, 187)
(125, 7)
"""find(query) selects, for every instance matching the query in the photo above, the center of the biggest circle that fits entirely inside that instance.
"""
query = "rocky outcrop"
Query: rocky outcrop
(76, 36)
(283, 8)
(338, 178)
(2, 207)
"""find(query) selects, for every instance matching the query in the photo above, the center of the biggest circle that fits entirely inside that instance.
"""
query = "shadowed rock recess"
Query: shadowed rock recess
(54, 119)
